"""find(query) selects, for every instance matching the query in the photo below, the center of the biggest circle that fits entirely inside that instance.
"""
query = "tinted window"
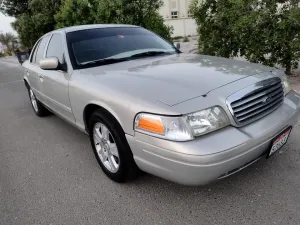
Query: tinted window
(34, 52)
(41, 49)
(121, 42)
(55, 48)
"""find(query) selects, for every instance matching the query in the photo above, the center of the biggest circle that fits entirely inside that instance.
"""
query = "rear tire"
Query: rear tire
(111, 148)
(38, 108)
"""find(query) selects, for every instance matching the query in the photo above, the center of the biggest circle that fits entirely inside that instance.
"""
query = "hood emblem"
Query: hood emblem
(266, 100)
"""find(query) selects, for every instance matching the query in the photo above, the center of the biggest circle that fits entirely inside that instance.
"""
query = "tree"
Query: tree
(9, 41)
(263, 31)
(34, 18)
(137, 12)
(76, 12)
(14, 8)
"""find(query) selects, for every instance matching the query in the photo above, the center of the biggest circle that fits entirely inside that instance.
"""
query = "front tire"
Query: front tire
(111, 148)
(37, 106)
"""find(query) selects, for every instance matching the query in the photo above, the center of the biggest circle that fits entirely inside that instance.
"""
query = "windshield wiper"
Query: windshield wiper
(107, 61)
(150, 53)
(104, 61)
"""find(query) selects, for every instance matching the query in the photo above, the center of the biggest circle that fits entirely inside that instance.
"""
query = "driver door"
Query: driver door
(55, 84)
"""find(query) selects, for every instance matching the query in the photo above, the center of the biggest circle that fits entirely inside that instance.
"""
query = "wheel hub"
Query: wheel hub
(105, 148)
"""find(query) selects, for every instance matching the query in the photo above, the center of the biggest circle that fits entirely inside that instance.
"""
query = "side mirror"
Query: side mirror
(177, 45)
(50, 63)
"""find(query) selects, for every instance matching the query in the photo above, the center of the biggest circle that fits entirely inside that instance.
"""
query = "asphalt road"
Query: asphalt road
(48, 175)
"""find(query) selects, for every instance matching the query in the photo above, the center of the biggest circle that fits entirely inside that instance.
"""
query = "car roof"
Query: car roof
(90, 26)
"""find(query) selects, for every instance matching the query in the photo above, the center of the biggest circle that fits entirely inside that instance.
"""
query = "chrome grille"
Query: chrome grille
(256, 101)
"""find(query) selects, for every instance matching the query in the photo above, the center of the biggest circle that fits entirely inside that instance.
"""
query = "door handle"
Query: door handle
(41, 77)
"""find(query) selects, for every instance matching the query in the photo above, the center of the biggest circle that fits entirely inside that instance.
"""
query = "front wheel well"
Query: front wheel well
(90, 109)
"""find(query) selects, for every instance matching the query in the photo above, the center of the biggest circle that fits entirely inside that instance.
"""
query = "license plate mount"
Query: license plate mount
(279, 141)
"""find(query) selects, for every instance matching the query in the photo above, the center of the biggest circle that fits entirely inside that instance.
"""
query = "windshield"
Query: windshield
(96, 45)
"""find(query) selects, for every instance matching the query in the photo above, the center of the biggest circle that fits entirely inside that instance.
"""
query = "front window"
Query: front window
(55, 48)
(96, 45)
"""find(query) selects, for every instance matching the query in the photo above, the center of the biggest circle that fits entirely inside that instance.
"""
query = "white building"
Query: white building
(176, 14)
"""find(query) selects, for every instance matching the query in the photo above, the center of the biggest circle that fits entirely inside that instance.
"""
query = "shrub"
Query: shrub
(185, 39)
(262, 31)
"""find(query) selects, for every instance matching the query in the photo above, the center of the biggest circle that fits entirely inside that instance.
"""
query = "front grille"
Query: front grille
(256, 101)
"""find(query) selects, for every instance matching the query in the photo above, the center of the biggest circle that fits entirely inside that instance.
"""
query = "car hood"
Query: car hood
(175, 78)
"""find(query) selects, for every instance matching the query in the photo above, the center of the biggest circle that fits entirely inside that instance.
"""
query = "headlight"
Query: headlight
(171, 128)
(182, 128)
(286, 85)
(207, 120)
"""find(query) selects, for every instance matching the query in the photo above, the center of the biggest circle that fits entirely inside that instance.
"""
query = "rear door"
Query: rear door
(33, 70)
(55, 86)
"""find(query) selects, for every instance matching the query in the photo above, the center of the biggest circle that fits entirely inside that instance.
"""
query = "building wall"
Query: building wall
(175, 13)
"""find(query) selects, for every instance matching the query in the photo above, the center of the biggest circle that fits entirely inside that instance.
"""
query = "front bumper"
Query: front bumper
(214, 155)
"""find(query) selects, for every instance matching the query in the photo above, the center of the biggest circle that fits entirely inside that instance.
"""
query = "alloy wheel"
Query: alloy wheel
(33, 100)
(106, 147)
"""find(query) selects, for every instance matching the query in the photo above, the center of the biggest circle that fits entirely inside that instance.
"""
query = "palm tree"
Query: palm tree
(9, 41)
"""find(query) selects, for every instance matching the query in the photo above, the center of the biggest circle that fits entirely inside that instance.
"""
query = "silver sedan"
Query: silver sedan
(191, 119)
